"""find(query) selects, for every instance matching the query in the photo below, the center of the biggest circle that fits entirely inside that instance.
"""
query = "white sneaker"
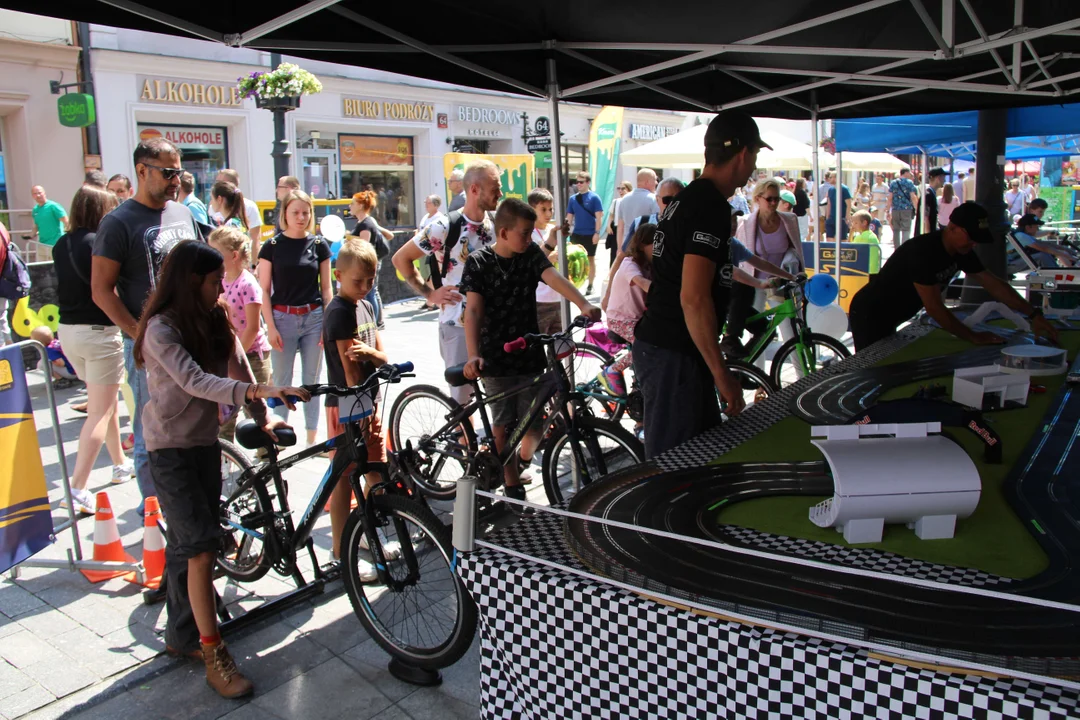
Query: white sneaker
(366, 571)
(391, 550)
(123, 473)
(83, 500)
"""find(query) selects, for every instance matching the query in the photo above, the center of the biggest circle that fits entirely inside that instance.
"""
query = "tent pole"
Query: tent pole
(556, 175)
(815, 141)
(924, 222)
(840, 210)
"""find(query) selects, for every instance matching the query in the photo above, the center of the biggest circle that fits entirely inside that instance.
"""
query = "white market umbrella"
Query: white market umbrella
(687, 150)
(873, 162)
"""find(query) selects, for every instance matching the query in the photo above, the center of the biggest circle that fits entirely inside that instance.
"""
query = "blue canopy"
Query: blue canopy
(1033, 132)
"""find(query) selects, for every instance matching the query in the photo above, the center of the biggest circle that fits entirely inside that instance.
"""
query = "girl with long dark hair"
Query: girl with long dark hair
(193, 362)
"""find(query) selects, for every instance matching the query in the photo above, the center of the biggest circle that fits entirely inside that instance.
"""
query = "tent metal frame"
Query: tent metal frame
(1019, 38)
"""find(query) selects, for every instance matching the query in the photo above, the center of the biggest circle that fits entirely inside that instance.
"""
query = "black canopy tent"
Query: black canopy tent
(789, 59)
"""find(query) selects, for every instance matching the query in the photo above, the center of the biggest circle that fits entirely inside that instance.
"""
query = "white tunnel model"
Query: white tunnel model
(897, 473)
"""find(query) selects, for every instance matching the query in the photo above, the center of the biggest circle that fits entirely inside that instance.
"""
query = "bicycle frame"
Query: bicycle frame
(554, 385)
(350, 449)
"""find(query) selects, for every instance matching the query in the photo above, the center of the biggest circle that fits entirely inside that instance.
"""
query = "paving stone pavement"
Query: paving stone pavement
(73, 649)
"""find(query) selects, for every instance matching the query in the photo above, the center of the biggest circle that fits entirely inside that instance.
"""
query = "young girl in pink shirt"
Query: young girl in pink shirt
(626, 304)
(244, 296)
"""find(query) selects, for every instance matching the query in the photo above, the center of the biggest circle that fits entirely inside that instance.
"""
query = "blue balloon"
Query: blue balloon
(335, 248)
(821, 289)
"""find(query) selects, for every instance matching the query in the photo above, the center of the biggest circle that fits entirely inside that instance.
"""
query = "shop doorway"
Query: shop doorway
(319, 173)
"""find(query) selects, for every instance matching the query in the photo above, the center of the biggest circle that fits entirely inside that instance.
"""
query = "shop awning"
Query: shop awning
(849, 58)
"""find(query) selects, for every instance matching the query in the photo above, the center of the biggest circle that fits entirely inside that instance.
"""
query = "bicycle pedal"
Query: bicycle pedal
(258, 520)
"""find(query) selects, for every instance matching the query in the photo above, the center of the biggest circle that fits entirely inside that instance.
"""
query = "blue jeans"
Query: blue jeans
(376, 304)
(139, 390)
(298, 332)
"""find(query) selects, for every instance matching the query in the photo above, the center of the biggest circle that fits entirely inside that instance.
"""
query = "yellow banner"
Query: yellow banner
(605, 141)
(517, 171)
(25, 517)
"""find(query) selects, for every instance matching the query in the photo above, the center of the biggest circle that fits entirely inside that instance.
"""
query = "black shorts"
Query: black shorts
(188, 485)
(867, 325)
(586, 242)
(509, 412)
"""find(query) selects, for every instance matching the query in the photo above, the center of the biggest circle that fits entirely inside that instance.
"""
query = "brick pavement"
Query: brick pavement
(69, 648)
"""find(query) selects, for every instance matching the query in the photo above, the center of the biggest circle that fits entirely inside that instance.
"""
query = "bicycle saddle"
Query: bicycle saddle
(455, 376)
(249, 435)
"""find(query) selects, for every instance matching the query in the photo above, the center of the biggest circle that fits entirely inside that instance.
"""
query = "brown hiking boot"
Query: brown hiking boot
(221, 673)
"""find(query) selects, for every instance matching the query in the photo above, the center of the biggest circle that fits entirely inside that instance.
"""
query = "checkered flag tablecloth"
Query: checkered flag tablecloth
(555, 645)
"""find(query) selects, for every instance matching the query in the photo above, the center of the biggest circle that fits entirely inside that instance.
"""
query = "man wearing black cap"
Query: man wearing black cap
(677, 355)
(918, 271)
(934, 182)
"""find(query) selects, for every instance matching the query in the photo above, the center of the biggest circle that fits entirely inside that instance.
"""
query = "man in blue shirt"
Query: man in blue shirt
(845, 211)
(900, 209)
(584, 213)
(188, 198)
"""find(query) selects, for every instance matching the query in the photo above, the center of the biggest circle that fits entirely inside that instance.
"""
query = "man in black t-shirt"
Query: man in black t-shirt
(677, 355)
(920, 269)
(935, 180)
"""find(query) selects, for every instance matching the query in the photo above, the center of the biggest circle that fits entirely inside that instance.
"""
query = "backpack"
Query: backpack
(456, 221)
(14, 275)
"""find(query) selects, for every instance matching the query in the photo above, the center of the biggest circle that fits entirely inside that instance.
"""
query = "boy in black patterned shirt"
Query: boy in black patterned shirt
(499, 282)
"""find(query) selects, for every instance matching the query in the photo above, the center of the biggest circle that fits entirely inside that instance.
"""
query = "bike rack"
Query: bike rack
(75, 560)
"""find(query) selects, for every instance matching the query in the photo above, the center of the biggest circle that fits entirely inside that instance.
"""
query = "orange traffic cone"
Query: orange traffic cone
(107, 546)
(153, 547)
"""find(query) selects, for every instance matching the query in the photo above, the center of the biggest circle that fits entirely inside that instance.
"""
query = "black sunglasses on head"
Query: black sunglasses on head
(167, 173)
(664, 200)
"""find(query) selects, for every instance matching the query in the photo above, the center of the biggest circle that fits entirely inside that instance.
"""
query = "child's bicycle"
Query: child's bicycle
(805, 353)
(437, 443)
(418, 611)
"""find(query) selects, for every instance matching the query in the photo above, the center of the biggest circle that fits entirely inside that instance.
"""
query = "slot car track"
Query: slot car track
(1043, 487)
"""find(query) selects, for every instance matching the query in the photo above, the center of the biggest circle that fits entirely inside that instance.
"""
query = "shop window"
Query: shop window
(384, 165)
(204, 152)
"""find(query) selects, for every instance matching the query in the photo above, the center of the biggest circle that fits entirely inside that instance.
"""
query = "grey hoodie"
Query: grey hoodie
(183, 408)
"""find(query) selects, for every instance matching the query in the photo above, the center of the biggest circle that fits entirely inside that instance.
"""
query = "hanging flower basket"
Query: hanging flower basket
(279, 89)
(289, 102)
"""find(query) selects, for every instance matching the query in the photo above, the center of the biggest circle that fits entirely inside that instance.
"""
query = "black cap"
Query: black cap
(734, 128)
(937, 172)
(974, 219)
(1028, 219)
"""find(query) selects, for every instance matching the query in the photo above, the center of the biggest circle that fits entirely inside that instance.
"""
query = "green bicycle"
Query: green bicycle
(805, 353)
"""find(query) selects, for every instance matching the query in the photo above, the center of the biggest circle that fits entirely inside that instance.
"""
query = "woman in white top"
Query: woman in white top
(946, 204)
(863, 197)
(879, 196)
(433, 208)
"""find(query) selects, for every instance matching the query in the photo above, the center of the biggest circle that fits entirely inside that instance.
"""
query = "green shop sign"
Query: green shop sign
(543, 160)
(76, 109)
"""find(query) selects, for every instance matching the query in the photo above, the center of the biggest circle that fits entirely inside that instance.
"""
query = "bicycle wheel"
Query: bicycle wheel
(606, 447)
(425, 616)
(589, 360)
(755, 383)
(820, 351)
(242, 555)
(418, 413)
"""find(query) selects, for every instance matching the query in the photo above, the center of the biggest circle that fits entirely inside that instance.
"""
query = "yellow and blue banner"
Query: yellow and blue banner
(25, 517)
(605, 141)
(854, 266)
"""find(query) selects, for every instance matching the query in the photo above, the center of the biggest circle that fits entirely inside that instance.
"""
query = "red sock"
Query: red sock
(212, 640)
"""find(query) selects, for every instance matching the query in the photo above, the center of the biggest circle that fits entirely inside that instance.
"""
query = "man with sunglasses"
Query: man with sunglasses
(669, 188)
(677, 354)
(585, 212)
(132, 242)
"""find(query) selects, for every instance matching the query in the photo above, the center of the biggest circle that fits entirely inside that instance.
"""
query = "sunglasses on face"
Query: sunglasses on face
(770, 198)
(167, 173)
(581, 182)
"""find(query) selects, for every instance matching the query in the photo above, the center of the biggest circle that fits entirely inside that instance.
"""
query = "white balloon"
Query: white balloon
(332, 228)
(828, 320)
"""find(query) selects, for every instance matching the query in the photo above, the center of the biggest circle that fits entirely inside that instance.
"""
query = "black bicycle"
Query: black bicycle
(438, 442)
(417, 610)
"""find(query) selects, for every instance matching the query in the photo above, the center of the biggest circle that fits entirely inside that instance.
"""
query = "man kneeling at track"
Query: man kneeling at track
(920, 269)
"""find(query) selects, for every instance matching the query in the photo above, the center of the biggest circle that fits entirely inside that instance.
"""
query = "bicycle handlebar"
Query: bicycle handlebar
(390, 372)
(523, 342)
